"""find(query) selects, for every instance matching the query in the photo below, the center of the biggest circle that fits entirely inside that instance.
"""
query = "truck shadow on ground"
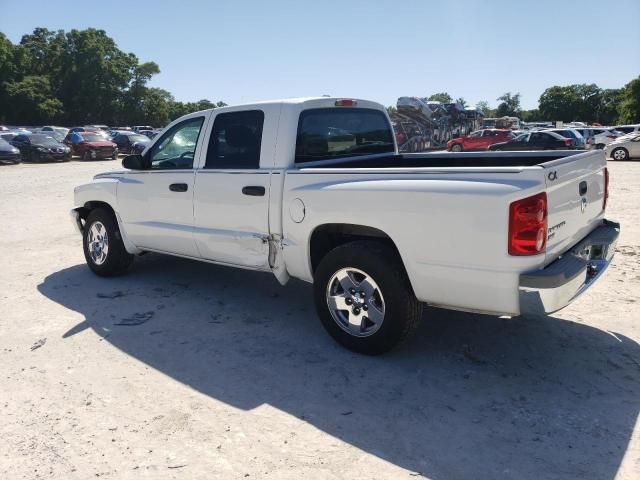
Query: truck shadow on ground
(470, 396)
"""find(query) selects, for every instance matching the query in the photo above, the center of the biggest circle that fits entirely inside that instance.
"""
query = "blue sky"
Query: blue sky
(241, 50)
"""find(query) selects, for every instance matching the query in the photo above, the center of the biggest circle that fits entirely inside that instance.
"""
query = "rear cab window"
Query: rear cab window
(332, 133)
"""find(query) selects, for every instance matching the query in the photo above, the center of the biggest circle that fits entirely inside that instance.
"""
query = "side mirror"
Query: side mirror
(135, 162)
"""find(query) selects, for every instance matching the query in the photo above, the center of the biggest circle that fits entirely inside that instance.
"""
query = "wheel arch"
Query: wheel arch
(619, 148)
(328, 236)
(92, 205)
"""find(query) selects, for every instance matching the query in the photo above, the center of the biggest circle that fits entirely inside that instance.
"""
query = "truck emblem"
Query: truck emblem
(552, 176)
(583, 204)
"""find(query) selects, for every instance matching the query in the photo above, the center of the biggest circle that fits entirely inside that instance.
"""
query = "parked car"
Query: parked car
(479, 140)
(627, 129)
(139, 128)
(138, 147)
(37, 147)
(125, 139)
(91, 146)
(268, 187)
(7, 136)
(601, 137)
(624, 148)
(148, 133)
(540, 140)
(99, 127)
(580, 142)
(4, 129)
(9, 153)
(50, 128)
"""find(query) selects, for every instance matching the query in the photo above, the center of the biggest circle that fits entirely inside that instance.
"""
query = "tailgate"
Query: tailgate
(575, 193)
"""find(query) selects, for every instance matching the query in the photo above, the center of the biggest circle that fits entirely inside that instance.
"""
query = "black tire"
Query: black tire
(34, 156)
(86, 156)
(623, 151)
(117, 259)
(456, 147)
(402, 311)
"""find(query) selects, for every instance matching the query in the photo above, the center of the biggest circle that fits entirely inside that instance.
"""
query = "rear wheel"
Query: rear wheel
(620, 154)
(104, 249)
(364, 298)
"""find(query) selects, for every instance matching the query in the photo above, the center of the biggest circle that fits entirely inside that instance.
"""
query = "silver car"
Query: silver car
(624, 148)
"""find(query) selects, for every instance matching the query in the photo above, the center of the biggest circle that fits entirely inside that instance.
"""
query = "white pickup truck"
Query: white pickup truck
(315, 189)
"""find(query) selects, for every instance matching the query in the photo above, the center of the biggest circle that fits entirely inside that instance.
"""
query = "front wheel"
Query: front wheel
(364, 298)
(86, 156)
(104, 249)
(620, 154)
(456, 148)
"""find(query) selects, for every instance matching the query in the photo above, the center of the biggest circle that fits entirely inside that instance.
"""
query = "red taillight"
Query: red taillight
(612, 137)
(567, 142)
(346, 102)
(606, 188)
(528, 225)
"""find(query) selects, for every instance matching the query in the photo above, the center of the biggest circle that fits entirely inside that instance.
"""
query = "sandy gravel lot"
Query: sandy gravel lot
(233, 376)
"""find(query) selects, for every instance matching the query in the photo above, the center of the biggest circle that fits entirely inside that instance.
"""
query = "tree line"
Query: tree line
(81, 77)
(578, 102)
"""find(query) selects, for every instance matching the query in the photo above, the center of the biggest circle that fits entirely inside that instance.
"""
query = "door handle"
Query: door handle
(253, 190)
(178, 187)
(582, 188)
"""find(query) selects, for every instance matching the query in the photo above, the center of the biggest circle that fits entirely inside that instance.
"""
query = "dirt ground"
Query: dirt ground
(232, 375)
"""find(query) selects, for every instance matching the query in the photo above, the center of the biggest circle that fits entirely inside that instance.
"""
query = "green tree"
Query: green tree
(462, 102)
(530, 115)
(443, 97)
(610, 100)
(32, 100)
(629, 107)
(509, 105)
(484, 107)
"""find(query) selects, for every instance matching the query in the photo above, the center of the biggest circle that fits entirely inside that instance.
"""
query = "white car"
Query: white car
(627, 129)
(624, 148)
(315, 189)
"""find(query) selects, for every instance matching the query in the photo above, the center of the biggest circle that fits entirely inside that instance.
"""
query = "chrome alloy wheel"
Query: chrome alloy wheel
(98, 243)
(355, 302)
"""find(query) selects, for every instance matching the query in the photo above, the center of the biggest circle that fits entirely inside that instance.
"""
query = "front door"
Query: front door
(156, 204)
(231, 204)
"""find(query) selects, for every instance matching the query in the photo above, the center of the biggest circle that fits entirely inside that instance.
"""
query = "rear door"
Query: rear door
(231, 204)
(575, 193)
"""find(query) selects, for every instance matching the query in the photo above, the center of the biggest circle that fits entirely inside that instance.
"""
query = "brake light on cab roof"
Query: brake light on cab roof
(346, 102)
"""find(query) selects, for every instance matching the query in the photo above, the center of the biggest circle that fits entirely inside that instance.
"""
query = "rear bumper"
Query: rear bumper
(559, 283)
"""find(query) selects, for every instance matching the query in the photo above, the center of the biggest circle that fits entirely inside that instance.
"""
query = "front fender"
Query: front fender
(103, 190)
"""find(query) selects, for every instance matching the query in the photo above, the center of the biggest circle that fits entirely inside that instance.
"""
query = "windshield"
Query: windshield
(43, 140)
(92, 137)
(327, 133)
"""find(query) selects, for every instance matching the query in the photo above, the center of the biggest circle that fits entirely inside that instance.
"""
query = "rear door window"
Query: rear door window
(330, 133)
(235, 140)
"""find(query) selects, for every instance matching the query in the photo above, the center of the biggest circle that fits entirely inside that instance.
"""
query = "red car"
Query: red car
(479, 140)
(91, 146)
